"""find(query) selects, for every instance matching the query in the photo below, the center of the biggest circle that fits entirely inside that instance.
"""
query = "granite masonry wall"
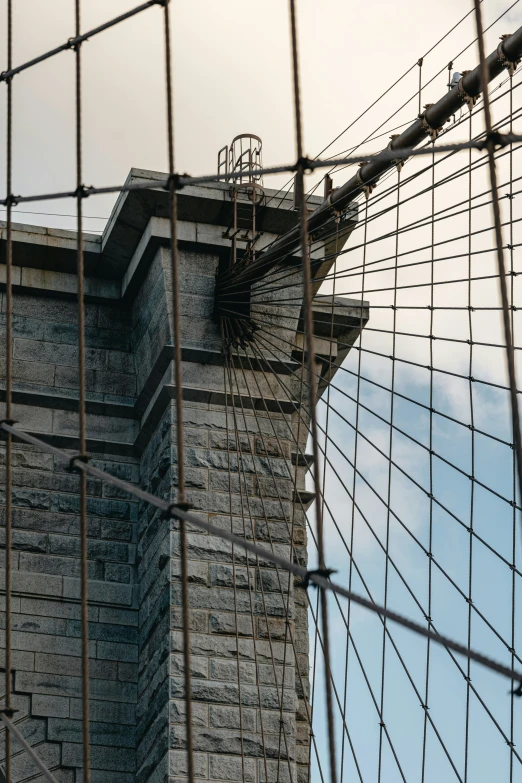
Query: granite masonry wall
(249, 637)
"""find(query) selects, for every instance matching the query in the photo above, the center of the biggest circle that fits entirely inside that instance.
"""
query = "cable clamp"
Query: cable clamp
(425, 126)
(82, 191)
(337, 212)
(398, 163)
(518, 690)
(358, 175)
(8, 711)
(72, 43)
(305, 164)
(10, 422)
(174, 182)
(367, 188)
(11, 200)
(509, 64)
(496, 139)
(85, 458)
(469, 100)
(180, 506)
(324, 572)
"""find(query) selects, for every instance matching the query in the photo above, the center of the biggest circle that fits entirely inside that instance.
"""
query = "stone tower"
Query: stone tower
(241, 455)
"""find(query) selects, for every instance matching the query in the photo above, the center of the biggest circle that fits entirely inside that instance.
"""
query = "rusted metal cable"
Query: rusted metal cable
(82, 406)
(297, 500)
(413, 537)
(176, 327)
(9, 401)
(391, 639)
(490, 146)
(419, 606)
(503, 140)
(243, 493)
(410, 437)
(310, 359)
(175, 512)
(5, 76)
(234, 579)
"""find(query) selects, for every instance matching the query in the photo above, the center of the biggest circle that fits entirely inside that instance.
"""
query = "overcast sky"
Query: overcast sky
(231, 75)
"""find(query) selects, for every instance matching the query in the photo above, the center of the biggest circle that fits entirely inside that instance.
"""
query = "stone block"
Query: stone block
(104, 758)
(198, 666)
(117, 572)
(221, 575)
(178, 764)
(50, 706)
(178, 713)
(109, 734)
(114, 651)
(222, 669)
(23, 767)
(232, 768)
(230, 718)
(105, 711)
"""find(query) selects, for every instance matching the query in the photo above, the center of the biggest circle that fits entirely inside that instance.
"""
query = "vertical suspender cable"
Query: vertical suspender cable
(82, 414)
(308, 321)
(234, 579)
(510, 353)
(9, 398)
(179, 396)
(354, 480)
(514, 458)
(430, 462)
(472, 474)
(390, 462)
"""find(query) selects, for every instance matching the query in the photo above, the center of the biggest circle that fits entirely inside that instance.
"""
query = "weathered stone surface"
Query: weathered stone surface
(239, 480)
